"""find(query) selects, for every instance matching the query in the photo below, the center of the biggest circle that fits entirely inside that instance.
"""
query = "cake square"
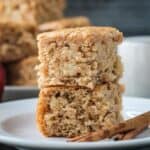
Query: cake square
(70, 22)
(31, 11)
(17, 41)
(72, 111)
(83, 56)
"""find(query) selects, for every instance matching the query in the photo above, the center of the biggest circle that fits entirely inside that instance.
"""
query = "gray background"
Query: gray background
(130, 16)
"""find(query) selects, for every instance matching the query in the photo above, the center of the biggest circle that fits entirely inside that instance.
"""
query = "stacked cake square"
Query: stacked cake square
(78, 76)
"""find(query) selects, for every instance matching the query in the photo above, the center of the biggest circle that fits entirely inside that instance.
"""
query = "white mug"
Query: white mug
(136, 59)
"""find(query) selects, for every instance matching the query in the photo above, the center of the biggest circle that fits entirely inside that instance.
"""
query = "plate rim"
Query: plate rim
(20, 142)
(52, 144)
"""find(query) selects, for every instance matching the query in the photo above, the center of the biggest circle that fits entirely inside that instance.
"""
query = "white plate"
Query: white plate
(18, 128)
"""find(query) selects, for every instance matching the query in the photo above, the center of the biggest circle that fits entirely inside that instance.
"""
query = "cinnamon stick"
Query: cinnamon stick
(134, 133)
(118, 137)
(133, 123)
(130, 134)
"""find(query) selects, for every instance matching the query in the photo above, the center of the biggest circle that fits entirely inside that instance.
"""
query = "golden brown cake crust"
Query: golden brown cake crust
(73, 22)
(43, 106)
(78, 35)
(23, 72)
(17, 41)
(40, 111)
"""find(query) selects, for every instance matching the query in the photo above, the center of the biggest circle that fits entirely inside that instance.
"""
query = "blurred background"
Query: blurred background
(130, 16)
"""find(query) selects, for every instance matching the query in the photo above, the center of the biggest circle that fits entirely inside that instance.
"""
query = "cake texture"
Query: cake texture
(73, 22)
(79, 56)
(31, 11)
(23, 72)
(17, 41)
(71, 111)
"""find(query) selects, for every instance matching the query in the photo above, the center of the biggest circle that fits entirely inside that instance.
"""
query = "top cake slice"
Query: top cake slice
(83, 56)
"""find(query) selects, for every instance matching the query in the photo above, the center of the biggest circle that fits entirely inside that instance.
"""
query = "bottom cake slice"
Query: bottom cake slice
(71, 111)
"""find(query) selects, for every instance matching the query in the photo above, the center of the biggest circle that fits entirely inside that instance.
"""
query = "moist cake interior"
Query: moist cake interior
(71, 111)
(85, 65)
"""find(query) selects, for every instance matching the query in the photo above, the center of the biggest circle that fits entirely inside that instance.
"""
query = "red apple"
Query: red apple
(2, 80)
